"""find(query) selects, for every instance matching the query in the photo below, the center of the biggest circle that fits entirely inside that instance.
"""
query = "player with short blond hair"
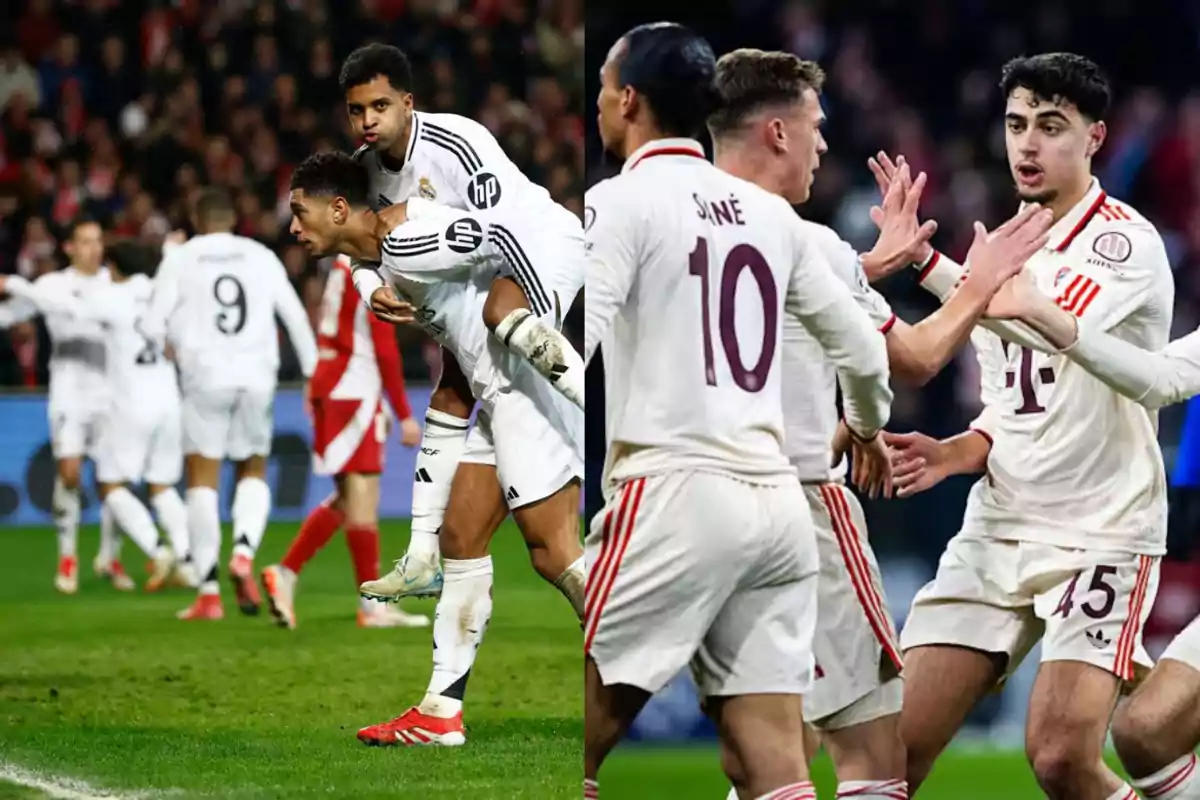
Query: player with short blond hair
(768, 132)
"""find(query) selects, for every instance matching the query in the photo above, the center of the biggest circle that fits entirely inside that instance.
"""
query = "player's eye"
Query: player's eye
(381, 105)
(1052, 129)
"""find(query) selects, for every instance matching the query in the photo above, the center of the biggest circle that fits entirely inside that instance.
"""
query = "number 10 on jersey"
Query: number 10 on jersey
(741, 257)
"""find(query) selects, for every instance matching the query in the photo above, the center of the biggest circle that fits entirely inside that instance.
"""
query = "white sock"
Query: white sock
(204, 523)
(65, 503)
(251, 509)
(134, 518)
(873, 790)
(572, 583)
(1179, 780)
(546, 349)
(173, 518)
(442, 444)
(1126, 792)
(110, 541)
(794, 791)
(733, 795)
(462, 616)
(591, 789)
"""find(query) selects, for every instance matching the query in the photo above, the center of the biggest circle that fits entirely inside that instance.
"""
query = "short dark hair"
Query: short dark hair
(1059, 77)
(333, 174)
(672, 67)
(214, 201)
(372, 60)
(129, 258)
(81, 220)
(749, 80)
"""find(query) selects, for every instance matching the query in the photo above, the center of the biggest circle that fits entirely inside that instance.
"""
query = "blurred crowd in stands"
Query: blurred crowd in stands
(122, 110)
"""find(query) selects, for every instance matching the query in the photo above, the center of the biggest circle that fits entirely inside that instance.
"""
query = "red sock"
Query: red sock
(364, 549)
(318, 528)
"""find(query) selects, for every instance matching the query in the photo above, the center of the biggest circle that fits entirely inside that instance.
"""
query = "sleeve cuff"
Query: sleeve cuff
(887, 326)
(929, 265)
(984, 434)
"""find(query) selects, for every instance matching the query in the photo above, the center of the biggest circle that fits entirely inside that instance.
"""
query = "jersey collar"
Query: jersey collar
(1063, 232)
(663, 147)
(414, 134)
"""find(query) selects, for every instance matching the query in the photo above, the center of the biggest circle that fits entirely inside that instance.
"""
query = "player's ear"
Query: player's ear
(1097, 133)
(341, 210)
(776, 136)
(630, 102)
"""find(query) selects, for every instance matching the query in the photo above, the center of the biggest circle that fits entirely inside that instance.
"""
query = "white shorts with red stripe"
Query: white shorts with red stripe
(1186, 646)
(1003, 596)
(705, 569)
(856, 647)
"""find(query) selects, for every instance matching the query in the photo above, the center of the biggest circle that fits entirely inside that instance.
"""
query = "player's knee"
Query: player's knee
(1058, 761)
(1132, 732)
(460, 539)
(68, 473)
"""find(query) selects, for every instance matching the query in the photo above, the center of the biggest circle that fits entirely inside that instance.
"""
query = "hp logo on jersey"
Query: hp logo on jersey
(464, 235)
(484, 190)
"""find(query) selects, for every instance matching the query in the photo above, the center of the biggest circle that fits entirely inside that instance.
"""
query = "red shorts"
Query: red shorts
(348, 436)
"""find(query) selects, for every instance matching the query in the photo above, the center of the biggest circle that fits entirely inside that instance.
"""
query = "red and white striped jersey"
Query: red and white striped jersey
(357, 354)
(1073, 463)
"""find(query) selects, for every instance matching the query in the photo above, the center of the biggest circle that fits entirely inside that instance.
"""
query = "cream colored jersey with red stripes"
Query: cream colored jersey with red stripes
(1074, 463)
(810, 413)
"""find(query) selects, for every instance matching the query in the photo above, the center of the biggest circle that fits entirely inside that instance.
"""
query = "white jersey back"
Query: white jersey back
(810, 378)
(443, 262)
(139, 374)
(694, 266)
(219, 294)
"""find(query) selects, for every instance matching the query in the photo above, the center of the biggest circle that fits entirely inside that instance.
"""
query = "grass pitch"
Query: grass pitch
(110, 689)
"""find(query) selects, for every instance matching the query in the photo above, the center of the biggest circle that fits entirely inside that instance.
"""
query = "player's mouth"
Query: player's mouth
(1029, 174)
(370, 138)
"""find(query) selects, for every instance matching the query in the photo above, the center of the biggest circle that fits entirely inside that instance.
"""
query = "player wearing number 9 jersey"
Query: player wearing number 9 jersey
(704, 553)
(219, 294)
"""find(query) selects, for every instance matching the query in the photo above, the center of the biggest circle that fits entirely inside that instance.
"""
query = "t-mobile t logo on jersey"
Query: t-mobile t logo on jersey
(484, 190)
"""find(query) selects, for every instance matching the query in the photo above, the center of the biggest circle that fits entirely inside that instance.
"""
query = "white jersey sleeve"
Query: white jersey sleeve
(614, 247)
(473, 163)
(295, 320)
(46, 298)
(848, 336)
(165, 299)
(16, 309)
(366, 279)
(435, 243)
(846, 264)
(1154, 379)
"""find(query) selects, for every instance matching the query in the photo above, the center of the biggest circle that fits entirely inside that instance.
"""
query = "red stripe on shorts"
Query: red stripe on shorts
(859, 569)
(1127, 641)
(606, 579)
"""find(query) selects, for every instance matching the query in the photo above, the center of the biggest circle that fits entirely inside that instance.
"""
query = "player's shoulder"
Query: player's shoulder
(434, 125)
(1118, 234)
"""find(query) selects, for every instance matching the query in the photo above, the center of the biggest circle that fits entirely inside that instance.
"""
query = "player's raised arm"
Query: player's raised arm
(1153, 379)
(165, 298)
(613, 232)
(432, 242)
(43, 297)
(293, 316)
(828, 310)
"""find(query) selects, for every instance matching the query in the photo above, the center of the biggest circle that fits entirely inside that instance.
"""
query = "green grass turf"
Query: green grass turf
(642, 772)
(111, 689)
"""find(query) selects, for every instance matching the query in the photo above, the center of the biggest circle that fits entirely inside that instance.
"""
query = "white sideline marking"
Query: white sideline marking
(64, 788)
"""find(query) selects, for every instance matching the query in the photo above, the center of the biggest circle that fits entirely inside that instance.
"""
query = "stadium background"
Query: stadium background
(919, 78)
(121, 109)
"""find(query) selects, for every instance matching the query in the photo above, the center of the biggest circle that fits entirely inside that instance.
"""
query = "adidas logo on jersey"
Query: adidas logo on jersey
(1098, 639)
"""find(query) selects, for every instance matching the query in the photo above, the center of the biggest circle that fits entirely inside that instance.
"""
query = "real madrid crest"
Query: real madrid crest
(426, 190)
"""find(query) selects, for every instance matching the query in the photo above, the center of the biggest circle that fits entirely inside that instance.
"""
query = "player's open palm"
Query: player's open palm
(1016, 298)
(918, 462)
(903, 239)
(997, 256)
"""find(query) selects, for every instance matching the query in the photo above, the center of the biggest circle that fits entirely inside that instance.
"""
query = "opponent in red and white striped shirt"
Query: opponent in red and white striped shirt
(359, 361)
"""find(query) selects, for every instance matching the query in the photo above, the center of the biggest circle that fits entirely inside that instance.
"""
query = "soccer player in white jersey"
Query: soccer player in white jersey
(525, 452)
(218, 294)
(359, 361)
(457, 162)
(139, 433)
(768, 132)
(1061, 540)
(1157, 731)
(77, 398)
(704, 553)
